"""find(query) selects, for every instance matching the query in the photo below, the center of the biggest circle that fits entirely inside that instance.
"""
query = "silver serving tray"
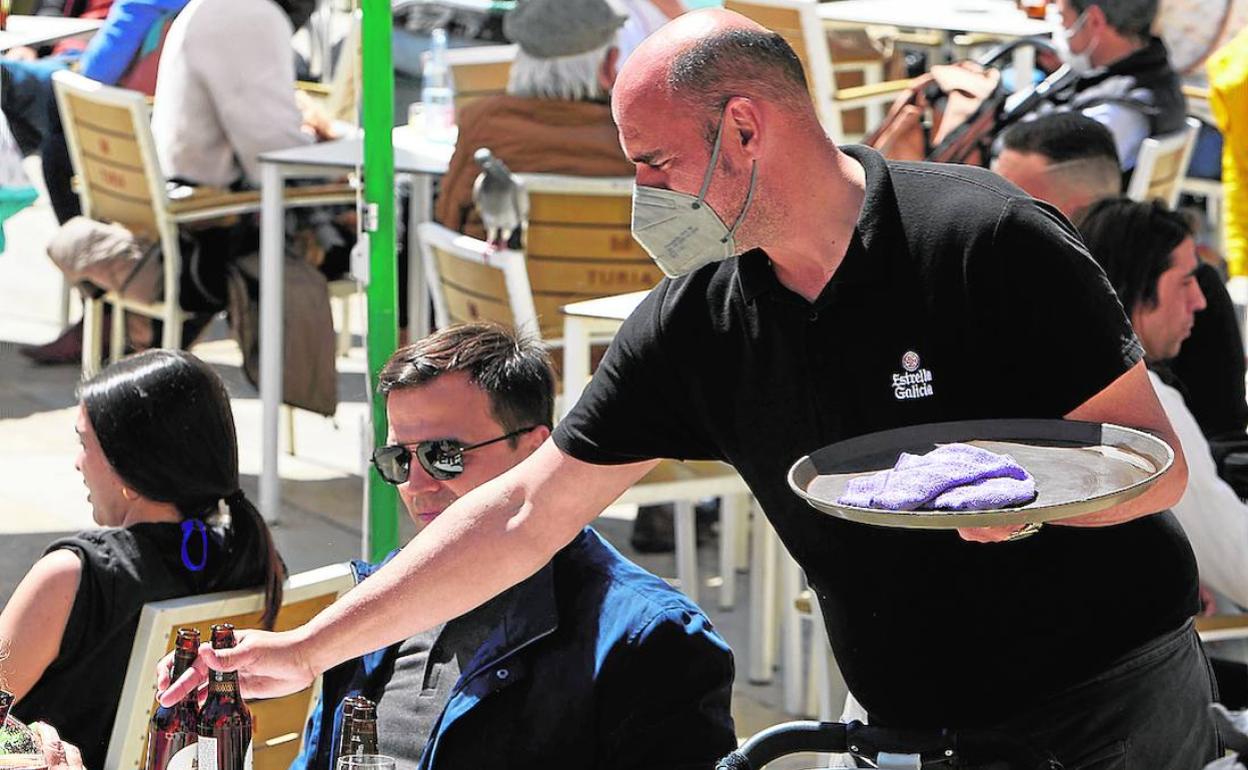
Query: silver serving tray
(1079, 467)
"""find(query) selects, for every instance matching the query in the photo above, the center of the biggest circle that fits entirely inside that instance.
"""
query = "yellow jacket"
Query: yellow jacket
(1228, 98)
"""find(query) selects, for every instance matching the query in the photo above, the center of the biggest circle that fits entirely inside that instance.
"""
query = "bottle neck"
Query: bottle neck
(182, 662)
(224, 682)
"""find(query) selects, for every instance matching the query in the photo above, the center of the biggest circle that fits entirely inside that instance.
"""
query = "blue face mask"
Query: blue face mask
(681, 232)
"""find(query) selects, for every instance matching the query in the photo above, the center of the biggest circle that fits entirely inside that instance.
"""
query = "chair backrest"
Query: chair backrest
(279, 722)
(579, 244)
(472, 282)
(1162, 165)
(797, 21)
(110, 144)
(479, 71)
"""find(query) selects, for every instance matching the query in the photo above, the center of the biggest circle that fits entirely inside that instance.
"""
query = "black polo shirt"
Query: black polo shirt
(959, 298)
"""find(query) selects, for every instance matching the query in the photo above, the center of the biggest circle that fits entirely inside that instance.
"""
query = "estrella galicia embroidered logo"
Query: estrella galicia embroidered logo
(913, 381)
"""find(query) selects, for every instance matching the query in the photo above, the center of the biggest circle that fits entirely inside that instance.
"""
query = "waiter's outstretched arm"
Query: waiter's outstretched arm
(492, 538)
(1130, 401)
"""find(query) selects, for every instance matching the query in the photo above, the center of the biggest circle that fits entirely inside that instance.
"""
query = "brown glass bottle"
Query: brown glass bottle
(344, 734)
(224, 721)
(173, 730)
(364, 727)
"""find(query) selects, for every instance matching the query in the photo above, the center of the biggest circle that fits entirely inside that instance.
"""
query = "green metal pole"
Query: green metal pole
(377, 94)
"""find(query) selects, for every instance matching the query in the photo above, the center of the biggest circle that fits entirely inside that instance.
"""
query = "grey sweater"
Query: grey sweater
(226, 92)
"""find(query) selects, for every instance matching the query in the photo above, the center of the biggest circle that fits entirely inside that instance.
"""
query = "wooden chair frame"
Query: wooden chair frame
(434, 237)
(157, 632)
(1163, 161)
(830, 101)
(76, 96)
(475, 70)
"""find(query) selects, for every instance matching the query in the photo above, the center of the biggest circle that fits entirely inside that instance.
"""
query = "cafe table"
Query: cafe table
(418, 159)
(35, 31)
(1000, 18)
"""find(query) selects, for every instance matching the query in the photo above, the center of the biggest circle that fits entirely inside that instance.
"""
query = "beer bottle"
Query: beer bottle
(172, 733)
(224, 720)
(364, 728)
(348, 726)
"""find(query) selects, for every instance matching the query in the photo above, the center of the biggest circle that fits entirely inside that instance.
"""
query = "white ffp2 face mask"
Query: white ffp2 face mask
(681, 232)
(1080, 63)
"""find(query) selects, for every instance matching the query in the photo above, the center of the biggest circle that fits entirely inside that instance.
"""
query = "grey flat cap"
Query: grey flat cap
(547, 29)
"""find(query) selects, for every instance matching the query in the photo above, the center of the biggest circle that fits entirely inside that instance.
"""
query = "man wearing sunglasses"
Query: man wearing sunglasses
(589, 663)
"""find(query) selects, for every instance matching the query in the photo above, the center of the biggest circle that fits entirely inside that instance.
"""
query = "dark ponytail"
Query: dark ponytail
(164, 422)
(251, 528)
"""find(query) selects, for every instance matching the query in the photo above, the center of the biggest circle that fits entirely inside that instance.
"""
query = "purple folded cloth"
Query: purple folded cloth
(952, 477)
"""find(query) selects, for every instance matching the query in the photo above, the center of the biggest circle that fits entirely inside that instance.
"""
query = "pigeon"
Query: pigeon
(499, 198)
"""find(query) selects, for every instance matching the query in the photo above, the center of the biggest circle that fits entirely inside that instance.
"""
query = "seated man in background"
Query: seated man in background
(1069, 160)
(120, 53)
(1149, 256)
(1064, 159)
(26, 73)
(1124, 78)
(590, 663)
(554, 117)
(226, 92)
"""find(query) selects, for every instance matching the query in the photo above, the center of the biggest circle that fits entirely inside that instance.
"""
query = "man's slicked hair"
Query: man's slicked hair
(1130, 17)
(513, 369)
(1132, 242)
(1077, 147)
(755, 63)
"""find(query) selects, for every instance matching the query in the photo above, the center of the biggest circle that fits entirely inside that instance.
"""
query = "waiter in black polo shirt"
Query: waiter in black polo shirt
(867, 295)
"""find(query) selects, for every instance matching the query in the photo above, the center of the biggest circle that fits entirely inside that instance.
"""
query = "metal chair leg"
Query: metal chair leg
(117, 334)
(92, 335)
(686, 549)
(733, 516)
(762, 600)
(791, 663)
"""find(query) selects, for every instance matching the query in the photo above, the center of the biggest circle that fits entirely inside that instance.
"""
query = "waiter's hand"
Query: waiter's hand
(269, 665)
(57, 754)
(990, 534)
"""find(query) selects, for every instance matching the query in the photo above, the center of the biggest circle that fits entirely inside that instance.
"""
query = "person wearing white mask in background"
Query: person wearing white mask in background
(1124, 77)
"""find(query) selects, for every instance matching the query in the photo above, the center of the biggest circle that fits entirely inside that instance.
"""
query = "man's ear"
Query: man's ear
(744, 125)
(535, 438)
(609, 68)
(1096, 22)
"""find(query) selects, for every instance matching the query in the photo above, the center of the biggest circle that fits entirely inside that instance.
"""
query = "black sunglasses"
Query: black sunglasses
(443, 459)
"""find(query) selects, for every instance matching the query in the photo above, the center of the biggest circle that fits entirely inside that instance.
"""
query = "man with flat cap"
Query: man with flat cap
(811, 287)
(555, 117)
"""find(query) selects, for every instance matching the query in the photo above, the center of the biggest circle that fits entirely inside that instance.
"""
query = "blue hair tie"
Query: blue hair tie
(187, 526)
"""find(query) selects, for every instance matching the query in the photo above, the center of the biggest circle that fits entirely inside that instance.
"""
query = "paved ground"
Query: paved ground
(41, 495)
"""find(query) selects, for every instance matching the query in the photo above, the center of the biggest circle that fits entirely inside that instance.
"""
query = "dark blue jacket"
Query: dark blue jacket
(597, 664)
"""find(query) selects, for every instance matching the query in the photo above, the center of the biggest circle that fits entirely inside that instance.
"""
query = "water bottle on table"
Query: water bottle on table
(437, 93)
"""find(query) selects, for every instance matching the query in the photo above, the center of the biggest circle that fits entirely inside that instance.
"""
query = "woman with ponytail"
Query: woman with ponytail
(159, 459)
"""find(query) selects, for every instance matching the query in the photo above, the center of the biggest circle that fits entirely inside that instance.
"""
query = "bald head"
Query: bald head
(704, 58)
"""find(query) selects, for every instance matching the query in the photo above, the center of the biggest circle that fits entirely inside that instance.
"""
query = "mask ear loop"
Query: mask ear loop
(745, 207)
(710, 169)
(187, 526)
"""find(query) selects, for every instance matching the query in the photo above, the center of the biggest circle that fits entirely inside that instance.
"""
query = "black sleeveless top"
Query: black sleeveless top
(122, 569)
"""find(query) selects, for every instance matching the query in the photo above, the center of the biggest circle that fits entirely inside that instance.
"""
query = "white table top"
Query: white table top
(616, 308)
(991, 17)
(35, 31)
(412, 154)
